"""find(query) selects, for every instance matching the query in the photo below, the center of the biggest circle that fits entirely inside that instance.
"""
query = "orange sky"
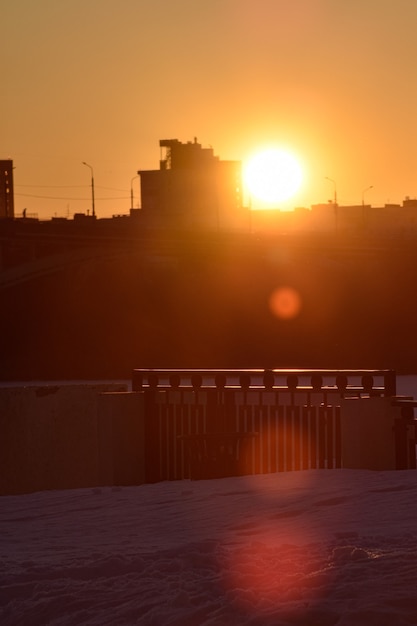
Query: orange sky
(102, 81)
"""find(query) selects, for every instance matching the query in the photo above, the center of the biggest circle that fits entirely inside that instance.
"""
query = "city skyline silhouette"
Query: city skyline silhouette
(100, 83)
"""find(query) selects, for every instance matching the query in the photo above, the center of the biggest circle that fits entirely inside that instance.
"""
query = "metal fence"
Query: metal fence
(213, 423)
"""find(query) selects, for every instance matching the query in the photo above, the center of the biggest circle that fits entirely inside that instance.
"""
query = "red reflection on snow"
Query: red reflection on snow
(261, 577)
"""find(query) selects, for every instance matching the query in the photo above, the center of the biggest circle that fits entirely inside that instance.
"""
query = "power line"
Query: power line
(54, 186)
(69, 187)
(110, 188)
(28, 195)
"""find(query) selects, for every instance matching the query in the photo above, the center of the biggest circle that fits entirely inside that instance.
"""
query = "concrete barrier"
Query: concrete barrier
(374, 435)
(121, 438)
(49, 437)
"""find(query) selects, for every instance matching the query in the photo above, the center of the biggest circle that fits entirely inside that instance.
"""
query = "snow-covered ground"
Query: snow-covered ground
(317, 547)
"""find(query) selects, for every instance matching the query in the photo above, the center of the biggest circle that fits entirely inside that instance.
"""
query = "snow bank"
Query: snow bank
(305, 548)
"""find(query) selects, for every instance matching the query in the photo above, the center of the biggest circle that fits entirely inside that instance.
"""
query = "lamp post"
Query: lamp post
(131, 190)
(364, 192)
(334, 199)
(335, 191)
(92, 187)
(363, 205)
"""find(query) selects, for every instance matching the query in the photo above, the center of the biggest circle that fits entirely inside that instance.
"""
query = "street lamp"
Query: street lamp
(335, 191)
(92, 187)
(131, 190)
(364, 192)
(363, 205)
(334, 200)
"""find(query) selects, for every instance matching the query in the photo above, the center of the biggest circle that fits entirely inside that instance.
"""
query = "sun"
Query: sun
(273, 175)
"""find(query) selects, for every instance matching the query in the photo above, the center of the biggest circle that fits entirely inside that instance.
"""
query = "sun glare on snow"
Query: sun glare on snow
(273, 175)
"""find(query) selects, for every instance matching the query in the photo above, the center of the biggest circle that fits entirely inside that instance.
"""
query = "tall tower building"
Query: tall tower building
(6, 189)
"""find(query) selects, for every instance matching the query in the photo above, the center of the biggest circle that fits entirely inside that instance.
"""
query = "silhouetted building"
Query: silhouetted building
(6, 189)
(390, 219)
(192, 189)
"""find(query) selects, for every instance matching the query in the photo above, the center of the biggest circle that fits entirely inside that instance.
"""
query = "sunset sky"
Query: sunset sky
(102, 81)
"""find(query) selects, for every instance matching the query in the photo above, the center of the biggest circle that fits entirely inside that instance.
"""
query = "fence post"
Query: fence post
(390, 382)
(152, 438)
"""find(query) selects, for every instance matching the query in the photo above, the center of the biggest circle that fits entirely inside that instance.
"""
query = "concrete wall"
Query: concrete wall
(121, 438)
(57, 437)
(368, 432)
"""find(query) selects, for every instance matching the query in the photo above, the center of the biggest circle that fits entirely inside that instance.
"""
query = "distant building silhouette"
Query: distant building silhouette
(391, 219)
(192, 189)
(6, 189)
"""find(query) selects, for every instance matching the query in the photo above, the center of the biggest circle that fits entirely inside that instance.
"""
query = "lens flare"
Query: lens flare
(264, 576)
(285, 303)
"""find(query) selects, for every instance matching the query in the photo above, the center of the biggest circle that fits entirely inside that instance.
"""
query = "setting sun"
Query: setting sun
(273, 175)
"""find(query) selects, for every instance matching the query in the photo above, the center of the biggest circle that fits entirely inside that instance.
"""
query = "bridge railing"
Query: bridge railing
(295, 381)
(212, 423)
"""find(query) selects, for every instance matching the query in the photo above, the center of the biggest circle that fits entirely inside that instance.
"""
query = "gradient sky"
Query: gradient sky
(102, 81)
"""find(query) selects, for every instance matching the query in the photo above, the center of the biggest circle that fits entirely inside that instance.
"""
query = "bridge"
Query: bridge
(117, 293)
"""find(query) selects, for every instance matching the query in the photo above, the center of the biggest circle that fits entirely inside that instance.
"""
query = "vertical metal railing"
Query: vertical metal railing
(282, 420)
